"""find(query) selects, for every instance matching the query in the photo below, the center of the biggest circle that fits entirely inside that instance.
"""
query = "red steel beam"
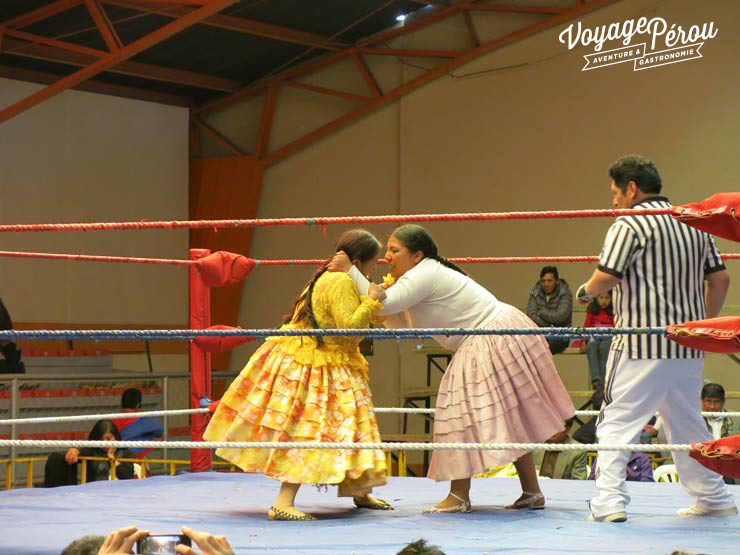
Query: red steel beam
(104, 25)
(408, 52)
(549, 10)
(268, 113)
(472, 31)
(92, 85)
(82, 56)
(430, 75)
(366, 74)
(324, 90)
(250, 90)
(39, 14)
(61, 45)
(216, 136)
(239, 24)
(115, 57)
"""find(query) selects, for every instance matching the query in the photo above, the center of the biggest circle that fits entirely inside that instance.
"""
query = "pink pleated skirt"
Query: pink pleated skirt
(497, 389)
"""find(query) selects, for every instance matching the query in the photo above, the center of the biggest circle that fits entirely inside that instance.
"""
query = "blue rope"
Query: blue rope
(374, 333)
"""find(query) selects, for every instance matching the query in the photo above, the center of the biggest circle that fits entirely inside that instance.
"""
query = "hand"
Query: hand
(209, 544)
(376, 292)
(71, 456)
(582, 296)
(111, 452)
(340, 262)
(122, 541)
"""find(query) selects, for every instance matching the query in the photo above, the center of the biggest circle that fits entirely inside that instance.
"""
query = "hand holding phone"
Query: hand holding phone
(161, 544)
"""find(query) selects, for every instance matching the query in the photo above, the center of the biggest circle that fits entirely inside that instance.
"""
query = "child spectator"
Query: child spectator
(600, 314)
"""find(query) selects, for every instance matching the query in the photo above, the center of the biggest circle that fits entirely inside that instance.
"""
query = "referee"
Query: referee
(657, 267)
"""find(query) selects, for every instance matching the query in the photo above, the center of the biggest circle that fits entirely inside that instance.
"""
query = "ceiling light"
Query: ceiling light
(401, 18)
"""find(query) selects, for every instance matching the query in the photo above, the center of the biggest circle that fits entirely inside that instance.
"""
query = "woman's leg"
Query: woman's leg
(531, 494)
(285, 501)
(460, 488)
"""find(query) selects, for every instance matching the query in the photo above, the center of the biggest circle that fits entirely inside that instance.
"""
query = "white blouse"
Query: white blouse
(435, 296)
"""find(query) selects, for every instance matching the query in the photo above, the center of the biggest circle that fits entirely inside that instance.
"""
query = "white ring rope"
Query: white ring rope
(83, 417)
(384, 446)
(379, 410)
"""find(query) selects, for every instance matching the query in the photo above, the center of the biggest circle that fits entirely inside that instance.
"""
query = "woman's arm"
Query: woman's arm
(348, 308)
(408, 290)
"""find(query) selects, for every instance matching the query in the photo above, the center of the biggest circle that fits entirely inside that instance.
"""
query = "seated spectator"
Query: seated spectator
(599, 314)
(639, 468)
(713, 400)
(61, 469)
(122, 542)
(562, 465)
(420, 547)
(551, 305)
(10, 353)
(134, 428)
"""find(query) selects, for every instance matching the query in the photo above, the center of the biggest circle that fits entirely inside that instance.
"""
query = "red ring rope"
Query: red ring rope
(195, 224)
(304, 261)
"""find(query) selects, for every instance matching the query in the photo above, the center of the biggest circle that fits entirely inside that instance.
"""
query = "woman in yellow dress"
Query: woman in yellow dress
(306, 388)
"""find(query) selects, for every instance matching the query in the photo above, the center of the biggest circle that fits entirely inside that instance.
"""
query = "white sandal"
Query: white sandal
(528, 501)
(462, 507)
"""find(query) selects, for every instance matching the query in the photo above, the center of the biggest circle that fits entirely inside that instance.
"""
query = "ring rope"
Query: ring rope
(373, 333)
(174, 412)
(385, 446)
(266, 222)
(300, 262)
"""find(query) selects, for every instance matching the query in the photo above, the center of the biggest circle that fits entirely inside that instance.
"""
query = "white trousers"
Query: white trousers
(635, 389)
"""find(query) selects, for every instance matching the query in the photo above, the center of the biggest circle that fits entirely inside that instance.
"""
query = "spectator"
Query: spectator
(562, 465)
(551, 305)
(137, 429)
(10, 353)
(600, 314)
(122, 541)
(61, 469)
(86, 545)
(713, 400)
(420, 547)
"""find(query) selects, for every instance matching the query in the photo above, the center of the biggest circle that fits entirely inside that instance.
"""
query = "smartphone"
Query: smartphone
(161, 544)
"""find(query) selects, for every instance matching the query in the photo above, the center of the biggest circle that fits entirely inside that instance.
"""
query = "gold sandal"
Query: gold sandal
(279, 514)
(528, 500)
(378, 505)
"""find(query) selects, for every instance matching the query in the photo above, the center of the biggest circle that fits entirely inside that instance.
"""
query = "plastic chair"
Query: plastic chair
(666, 473)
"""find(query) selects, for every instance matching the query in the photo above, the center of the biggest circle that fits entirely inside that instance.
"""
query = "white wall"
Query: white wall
(84, 157)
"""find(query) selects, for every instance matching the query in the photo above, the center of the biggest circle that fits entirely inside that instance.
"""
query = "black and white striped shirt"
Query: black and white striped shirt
(662, 264)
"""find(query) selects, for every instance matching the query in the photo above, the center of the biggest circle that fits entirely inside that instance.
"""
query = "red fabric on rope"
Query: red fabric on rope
(721, 455)
(224, 268)
(214, 344)
(718, 215)
(715, 335)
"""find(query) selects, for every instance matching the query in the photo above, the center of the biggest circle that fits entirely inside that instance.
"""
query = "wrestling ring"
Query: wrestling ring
(234, 504)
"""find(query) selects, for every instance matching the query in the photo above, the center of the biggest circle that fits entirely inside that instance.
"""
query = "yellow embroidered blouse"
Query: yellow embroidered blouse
(336, 304)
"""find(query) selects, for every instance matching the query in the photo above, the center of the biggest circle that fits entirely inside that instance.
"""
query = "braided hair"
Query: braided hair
(359, 245)
(415, 238)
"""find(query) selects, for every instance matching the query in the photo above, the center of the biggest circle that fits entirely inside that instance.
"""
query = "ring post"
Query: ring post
(200, 362)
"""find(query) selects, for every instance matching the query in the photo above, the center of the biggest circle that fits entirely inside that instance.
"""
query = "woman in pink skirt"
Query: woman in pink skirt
(497, 388)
